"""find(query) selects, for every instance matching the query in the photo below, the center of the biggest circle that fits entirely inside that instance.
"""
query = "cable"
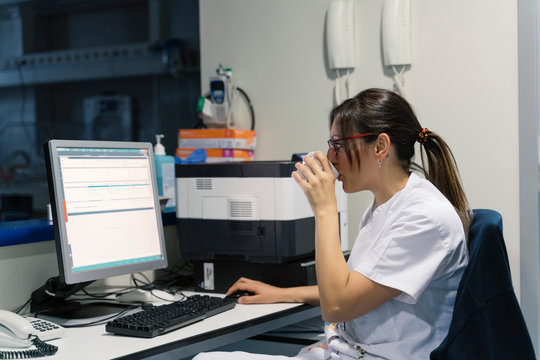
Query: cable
(151, 286)
(200, 124)
(103, 320)
(106, 294)
(248, 100)
(42, 349)
(172, 276)
(344, 82)
(139, 284)
(20, 308)
(337, 88)
(231, 99)
(399, 80)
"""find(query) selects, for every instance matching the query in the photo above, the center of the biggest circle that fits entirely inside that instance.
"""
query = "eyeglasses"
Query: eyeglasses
(336, 144)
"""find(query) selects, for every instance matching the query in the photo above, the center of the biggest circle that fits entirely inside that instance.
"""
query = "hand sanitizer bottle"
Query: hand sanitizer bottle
(165, 174)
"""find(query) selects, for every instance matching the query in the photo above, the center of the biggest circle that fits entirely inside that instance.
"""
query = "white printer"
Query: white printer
(241, 214)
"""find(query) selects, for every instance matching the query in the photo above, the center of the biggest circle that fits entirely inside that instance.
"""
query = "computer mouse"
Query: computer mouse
(239, 293)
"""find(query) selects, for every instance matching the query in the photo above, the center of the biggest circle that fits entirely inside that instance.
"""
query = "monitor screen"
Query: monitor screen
(106, 211)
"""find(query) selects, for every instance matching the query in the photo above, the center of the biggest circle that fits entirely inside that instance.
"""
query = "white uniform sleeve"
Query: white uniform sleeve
(407, 255)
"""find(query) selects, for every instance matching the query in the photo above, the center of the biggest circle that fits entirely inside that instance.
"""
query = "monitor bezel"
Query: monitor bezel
(66, 274)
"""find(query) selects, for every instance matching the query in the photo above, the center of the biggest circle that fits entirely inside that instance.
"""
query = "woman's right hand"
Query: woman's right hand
(265, 294)
(262, 293)
(317, 183)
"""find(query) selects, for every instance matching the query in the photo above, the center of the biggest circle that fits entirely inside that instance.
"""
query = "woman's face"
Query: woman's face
(359, 175)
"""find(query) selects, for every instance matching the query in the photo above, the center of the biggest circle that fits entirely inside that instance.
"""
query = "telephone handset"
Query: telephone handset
(340, 34)
(340, 44)
(22, 332)
(396, 37)
(396, 32)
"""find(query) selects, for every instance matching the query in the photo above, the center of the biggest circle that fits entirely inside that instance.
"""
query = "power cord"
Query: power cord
(104, 320)
(399, 79)
(42, 349)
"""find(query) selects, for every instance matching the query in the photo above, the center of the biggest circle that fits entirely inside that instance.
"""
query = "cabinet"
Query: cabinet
(55, 54)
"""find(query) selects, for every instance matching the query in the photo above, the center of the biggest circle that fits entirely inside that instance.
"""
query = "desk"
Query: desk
(242, 322)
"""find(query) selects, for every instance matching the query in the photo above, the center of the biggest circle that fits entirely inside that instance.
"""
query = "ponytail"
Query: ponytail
(442, 171)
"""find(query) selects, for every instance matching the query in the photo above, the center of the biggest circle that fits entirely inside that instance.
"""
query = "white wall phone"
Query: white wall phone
(396, 37)
(17, 332)
(340, 45)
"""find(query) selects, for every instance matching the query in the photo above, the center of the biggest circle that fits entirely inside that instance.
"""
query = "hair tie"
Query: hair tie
(423, 136)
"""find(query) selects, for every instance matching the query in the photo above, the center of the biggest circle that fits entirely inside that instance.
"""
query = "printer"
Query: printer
(247, 219)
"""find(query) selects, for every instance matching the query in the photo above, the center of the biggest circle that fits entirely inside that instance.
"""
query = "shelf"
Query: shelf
(25, 231)
(81, 64)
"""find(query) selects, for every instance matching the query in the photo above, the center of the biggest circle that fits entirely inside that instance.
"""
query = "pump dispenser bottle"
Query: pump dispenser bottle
(165, 174)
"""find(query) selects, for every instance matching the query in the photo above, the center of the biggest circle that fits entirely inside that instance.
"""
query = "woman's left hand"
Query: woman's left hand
(318, 184)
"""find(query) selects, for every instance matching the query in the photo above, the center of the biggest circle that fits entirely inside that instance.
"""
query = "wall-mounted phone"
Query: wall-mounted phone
(396, 37)
(340, 44)
(340, 34)
(21, 332)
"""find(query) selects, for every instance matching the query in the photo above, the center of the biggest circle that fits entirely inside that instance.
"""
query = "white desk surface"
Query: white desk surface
(242, 322)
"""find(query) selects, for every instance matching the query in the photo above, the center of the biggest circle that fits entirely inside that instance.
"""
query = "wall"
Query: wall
(463, 83)
(23, 269)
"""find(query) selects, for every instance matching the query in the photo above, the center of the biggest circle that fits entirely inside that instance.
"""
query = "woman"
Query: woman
(393, 298)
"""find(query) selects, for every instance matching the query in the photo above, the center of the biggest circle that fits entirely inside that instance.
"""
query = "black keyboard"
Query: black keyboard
(157, 320)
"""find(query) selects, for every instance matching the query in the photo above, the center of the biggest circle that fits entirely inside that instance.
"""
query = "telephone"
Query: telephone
(21, 332)
(340, 34)
(396, 32)
(340, 44)
(396, 37)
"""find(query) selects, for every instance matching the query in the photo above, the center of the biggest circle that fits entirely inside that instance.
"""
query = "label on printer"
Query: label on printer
(208, 276)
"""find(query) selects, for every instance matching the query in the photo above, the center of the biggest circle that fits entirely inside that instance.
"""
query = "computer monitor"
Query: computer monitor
(105, 207)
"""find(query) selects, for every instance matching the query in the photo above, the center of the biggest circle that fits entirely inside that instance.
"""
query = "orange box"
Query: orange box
(219, 155)
(217, 139)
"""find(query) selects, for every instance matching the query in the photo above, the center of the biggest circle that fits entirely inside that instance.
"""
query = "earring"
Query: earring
(379, 163)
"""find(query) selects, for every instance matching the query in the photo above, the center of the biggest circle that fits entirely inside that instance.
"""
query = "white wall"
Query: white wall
(23, 269)
(463, 83)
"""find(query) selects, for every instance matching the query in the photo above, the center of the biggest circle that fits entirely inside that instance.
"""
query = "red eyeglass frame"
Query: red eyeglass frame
(331, 142)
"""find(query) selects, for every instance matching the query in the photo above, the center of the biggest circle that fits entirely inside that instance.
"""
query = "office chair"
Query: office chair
(487, 322)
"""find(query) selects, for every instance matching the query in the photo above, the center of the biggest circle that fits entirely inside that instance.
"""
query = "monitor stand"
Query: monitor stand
(52, 299)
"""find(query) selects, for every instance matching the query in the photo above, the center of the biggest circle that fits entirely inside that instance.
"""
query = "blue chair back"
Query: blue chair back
(487, 322)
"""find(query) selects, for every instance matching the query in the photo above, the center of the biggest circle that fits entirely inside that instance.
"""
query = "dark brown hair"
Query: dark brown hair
(382, 111)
